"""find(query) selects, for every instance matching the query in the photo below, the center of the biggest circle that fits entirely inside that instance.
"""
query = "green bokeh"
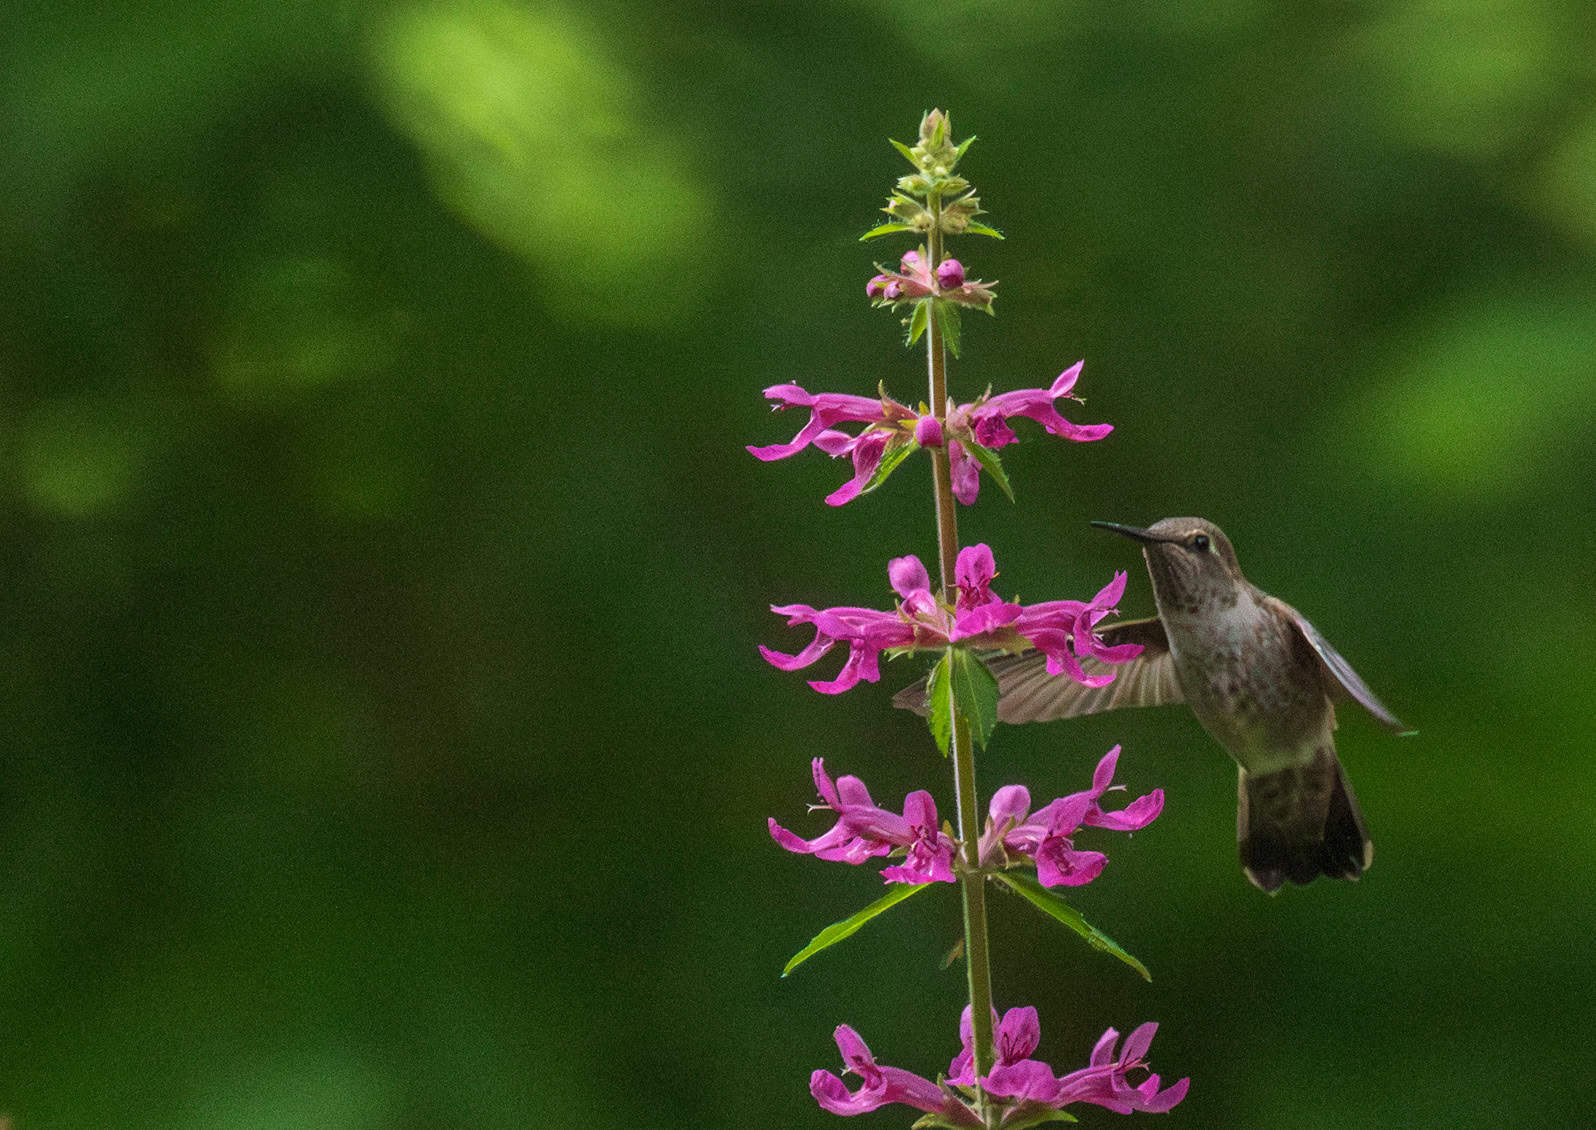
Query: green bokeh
(384, 744)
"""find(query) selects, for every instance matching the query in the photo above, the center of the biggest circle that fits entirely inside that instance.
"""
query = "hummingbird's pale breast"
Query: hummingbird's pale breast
(1249, 679)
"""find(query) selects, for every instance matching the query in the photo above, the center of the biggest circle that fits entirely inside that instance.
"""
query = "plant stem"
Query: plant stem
(972, 884)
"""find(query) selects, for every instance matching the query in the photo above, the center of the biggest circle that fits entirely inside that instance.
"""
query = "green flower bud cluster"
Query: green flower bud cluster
(934, 196)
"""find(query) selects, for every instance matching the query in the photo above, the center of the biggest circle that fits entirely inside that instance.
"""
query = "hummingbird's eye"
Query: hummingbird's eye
(1200, 543)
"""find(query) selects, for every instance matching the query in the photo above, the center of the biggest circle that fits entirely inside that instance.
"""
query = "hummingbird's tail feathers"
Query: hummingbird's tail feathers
(1300, 823)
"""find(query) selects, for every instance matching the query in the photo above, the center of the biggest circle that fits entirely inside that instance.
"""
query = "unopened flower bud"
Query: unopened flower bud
(928, 431)
(950, 274)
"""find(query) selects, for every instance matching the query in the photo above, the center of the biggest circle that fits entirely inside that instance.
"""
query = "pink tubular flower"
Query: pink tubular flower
(864, 831)
(1025, 1088)
(826, 409)
(889, 425)
(1014, 1038)
(882, 1085)
(1063, 629)
(1047, 835)
(986, 421)
(1041, 624)
(1106, 1081)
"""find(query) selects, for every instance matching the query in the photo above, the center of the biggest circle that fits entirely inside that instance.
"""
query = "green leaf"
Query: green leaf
(885, 229)
(989, 463)
(837, 931)
(948, 322)
(908, 154)
(939, 1121)
(981, 229)
(936, 1122)
(916, 323)
(975, 694)
(895, 454)
(1059, 910)
(1041, 1116)
(939, 703)
(959, 152)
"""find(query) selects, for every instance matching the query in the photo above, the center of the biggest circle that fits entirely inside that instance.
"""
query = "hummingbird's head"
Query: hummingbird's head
(1190, 560)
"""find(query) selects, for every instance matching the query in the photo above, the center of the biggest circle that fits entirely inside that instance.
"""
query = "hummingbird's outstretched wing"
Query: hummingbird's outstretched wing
(1339, 674)
(1027, 693)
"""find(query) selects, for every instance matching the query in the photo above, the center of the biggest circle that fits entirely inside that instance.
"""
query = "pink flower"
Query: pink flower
(914, 280)
(882, 1085)
(825, 410)
(1025, 1088)
(989, 415)
(1106, 1082)
(1059, 627)
(986, 421)
(864, 831)
(1063, 629)
(910, 281)
(889, 425)
(1014, 1038)
(1047, 835)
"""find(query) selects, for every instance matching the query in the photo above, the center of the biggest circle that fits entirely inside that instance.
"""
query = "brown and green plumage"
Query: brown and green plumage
(1258, 676)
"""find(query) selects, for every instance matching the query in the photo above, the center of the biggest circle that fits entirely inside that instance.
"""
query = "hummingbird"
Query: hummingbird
(1260, 679)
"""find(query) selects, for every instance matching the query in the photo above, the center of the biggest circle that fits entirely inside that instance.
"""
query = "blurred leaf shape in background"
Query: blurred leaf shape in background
(1468, 80)
(537, 136)
(1473, 401)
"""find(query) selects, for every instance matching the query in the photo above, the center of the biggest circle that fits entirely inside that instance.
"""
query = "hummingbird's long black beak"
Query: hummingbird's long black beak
(1134, 532)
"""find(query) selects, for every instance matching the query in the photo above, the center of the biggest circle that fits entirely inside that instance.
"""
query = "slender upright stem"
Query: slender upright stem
(972, 883)
(941, 472)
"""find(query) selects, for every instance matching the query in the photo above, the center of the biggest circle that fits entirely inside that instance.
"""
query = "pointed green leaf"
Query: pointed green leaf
(989, 463)
(837, 931)
(959, 152)
(939, 703)
(975, 694)
(908, 154)
(896, 453)
(936, 1122)
(1059, 910)
(948, 322)
(939, 1121)
(1025, 1122)
(981, 229)
(916, 323)
(884, 229)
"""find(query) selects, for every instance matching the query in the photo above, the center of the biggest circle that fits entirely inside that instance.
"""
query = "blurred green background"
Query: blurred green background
(384, 743)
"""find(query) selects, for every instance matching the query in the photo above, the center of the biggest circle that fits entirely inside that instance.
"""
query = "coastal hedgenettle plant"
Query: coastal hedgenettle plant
(960, 621)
